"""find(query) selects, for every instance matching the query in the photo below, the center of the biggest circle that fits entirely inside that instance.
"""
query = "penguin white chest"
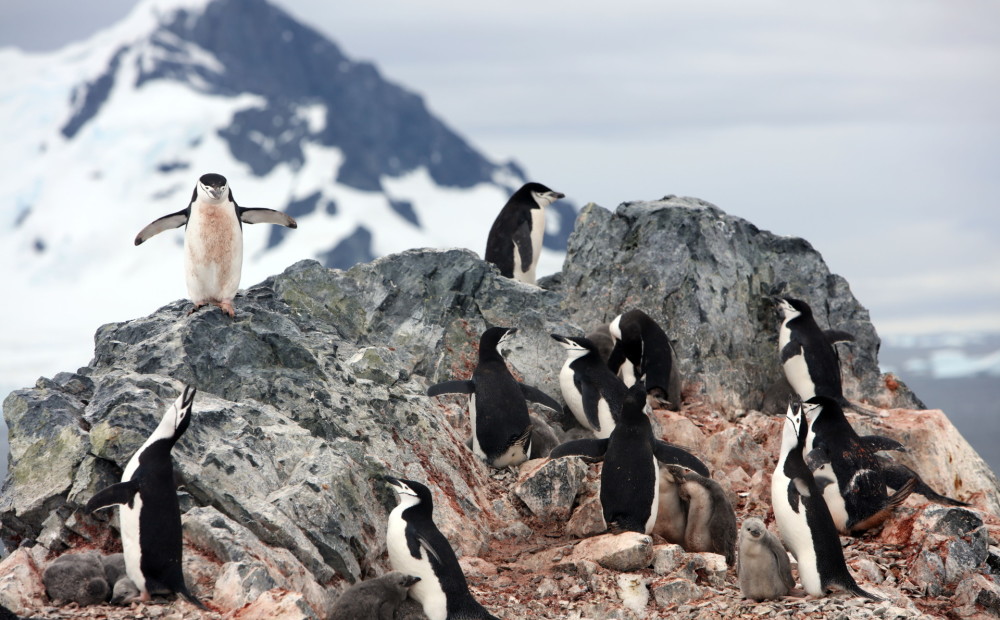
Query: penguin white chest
(526, 273)
(795, 532)
(572, 396)
(655, 507)
(128, 519)
(213, 252)
(428, 590)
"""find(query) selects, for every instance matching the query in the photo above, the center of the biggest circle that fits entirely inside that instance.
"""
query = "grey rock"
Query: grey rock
(706, 276)
(549, 488)
(76, 578)
(675, 592)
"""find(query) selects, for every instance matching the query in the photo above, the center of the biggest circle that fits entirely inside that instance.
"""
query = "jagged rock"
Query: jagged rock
(978, 594)
(21, 587)
(668, 558)
(278, 605)
(675, 592)
(76, 578)
(317, 389)
(623, 552)
(708, 568)
(549, 487)
(587, 519)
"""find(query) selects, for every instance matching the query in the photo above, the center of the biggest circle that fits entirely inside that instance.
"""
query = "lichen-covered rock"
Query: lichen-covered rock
(549, 487)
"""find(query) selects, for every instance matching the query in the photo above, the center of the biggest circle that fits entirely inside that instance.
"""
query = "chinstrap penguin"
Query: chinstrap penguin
(213, 240)
(802, 516)
(642, 352)
(149, 513)
(418, 548)
(374, 599)
(515, 240)
(502, 432)
(630, 475)
(711, 520)
(592, 392)
(856, 494)
(762, 563)
(808, 357)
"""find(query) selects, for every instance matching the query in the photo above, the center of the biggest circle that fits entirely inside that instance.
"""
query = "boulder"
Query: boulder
(549, 488)
(623, 552)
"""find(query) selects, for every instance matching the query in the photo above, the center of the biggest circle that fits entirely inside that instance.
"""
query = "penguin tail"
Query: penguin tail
(897, 475)
(191, 598)
(857, 590)
(894, 501)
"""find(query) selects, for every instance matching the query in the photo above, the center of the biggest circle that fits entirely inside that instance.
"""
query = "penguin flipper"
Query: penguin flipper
(537, 396)
(591, 448)
(265, 216)
(790, 350)
(774, 546)
(452, 387)
(672, 454)
(591, 396)
(617, 357)
(522, 244)
(118, 493)
(880, 443)
(897, 475)
(834, 336)
(167, 222)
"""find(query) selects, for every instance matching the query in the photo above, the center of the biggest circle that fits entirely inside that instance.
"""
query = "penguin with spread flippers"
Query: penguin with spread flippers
(373, 599)
(502, 432)
(213, 240)
(762, 563)
(630, 474)
(515, 240)
(149, 513)
(803, 518)
(642, 352)
(857, 495)
(418, 548)
(592, 392)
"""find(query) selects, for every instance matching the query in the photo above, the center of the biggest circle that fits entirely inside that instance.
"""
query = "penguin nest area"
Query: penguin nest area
(536, 576)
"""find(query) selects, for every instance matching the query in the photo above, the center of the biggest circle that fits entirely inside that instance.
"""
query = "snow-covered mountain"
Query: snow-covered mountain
(104, 136)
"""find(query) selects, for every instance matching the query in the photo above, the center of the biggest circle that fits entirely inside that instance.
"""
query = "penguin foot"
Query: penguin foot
(197, 307)
(227, 307)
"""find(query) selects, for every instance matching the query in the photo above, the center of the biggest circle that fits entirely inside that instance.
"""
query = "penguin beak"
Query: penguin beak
(410, 580)
(556, 195)
(392, 481)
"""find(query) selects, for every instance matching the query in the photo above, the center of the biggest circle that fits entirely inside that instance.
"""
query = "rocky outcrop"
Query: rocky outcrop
(317, 389)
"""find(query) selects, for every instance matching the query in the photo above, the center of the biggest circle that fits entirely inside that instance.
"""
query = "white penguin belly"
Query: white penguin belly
(572, 396)
(627, 373)
(476, 448)
(428, 590)
(606, 420)
(795, 533)
(797, 373)
(831, 495)
(655, 508)
(128, 519)
(213, 253)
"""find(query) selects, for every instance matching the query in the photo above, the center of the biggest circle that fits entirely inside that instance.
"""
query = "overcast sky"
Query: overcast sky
(870, 128)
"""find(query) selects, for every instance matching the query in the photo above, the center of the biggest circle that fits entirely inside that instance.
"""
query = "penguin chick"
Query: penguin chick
(762, 564)
(514, 243)
(671, 519)
(711, 520)
(374, 599)
(213, 240)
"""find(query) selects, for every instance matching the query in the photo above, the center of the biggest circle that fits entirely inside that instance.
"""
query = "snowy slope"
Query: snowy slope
(104, 136)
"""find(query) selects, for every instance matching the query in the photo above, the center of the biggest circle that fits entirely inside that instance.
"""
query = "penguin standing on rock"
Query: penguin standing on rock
(642, 352)
(502, 431)
(515, 240)
(630, 476)
(213, 240)
(808, 358)
(417, 547)
(592, 392)
(150, 515)
(803, 518)
(856, 496)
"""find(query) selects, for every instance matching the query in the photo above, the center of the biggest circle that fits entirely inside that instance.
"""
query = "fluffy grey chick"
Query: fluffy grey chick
(374, 599)
(762, 566)
(76, 578)
(711, 520)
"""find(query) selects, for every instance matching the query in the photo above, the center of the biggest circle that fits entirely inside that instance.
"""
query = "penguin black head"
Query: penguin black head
(212, 186)
(411, 492)
(634, 406)
(575, 347)
(796, 426)
(535, 196)
(494, 337)
(177, 418)
(791, 308)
